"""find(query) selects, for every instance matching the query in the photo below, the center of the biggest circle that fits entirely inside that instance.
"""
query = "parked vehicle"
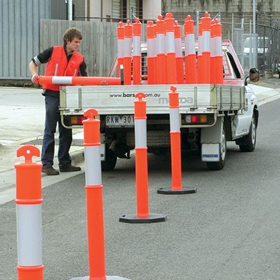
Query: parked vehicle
(262, 45)
(210, 115)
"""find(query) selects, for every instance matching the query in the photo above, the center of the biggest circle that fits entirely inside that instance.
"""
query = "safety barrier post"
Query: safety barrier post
(78, 80)
(161, 56)
(141, 167)
(151, 53)
(190, 54)
(127, 53)
(179, 55)
(175, 139)
(120, 39)
(206, 35)
(136, 52)
(199, 55)
(170, 49)
(216, 53)
(29, 215)
(94, 199)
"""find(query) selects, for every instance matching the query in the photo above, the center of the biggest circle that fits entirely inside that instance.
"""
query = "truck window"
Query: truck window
(230, 68)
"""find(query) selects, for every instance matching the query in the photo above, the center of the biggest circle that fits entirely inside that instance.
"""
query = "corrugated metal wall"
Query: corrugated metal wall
(19, 35)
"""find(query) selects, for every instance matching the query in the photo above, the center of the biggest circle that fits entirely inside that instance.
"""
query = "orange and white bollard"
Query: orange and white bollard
(199, 55)
(127, 53)
(120, 39)
(206, 53)
(78, 80)
(216, 53)
(170, 49)
(161, 56)
(151, 53)
(94, 197)
(178, 54)
(141, 167)
(190, 54)
(175, 139)
(136, 52)
(29, 215)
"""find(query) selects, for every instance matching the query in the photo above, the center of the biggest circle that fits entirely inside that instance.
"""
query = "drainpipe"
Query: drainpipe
(70, 10)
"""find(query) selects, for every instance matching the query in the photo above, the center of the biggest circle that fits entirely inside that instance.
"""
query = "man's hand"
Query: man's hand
(35, 79)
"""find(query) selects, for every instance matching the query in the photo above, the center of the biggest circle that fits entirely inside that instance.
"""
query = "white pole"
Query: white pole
(70, 10)
(254, 16)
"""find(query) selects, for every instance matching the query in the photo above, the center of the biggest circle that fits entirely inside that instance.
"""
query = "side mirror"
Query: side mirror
(254, 76)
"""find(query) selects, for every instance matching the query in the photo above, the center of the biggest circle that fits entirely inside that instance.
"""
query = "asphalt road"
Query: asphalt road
(228, 230)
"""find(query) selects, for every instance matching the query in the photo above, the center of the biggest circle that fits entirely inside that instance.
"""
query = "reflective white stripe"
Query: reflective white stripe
(218, 46)
(136, 45)
(29, 234)
(140, 129)
(170, 45)
(189, 44)
(178, 48)
(154, 48)
(127, 47)
(56, 68)
(120, 48)
(150, 47)
(58, 80)
(160, 43)
(174, 120)
(206, 41)
(93, 165)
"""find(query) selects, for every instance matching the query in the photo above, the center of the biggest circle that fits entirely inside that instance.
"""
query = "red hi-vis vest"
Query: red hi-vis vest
(58, 65)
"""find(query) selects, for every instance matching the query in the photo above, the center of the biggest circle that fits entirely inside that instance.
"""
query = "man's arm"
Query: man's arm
(33, 71)
(36, 61)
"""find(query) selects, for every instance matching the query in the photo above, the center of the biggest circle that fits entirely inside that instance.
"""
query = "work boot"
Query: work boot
(50, 171)
(70, 168)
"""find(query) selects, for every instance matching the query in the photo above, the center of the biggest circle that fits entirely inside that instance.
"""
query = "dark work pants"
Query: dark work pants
(65, 136)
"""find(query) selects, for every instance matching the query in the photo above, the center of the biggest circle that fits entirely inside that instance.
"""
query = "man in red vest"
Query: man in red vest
(61, 61)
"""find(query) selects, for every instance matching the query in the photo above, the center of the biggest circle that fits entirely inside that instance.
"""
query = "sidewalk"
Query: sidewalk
(22, 114)
(22, 122)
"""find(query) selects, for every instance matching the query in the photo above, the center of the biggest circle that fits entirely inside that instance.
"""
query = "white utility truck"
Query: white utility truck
(210, 114)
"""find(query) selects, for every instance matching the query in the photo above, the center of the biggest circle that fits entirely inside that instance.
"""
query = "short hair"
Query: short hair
(72, 33)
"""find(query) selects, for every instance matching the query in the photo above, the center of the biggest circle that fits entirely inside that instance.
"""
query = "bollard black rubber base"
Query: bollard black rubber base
(132, 218)
(107, 278)
(184, 190)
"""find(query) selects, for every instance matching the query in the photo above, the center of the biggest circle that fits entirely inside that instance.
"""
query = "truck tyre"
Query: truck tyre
(219, 165)
(110, 160)
(248, 142)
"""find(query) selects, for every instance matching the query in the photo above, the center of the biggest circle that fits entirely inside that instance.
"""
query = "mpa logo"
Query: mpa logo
(182, 100)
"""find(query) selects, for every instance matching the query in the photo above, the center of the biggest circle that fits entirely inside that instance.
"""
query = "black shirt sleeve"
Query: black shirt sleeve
(82, 70)
(43, 57)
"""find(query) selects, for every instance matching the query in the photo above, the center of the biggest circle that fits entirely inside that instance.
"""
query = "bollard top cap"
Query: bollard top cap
(140, 95)
(90, 114)
(173, 89)
(28, 151)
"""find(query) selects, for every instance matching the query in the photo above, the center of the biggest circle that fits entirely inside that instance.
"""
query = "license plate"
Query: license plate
(120, 120)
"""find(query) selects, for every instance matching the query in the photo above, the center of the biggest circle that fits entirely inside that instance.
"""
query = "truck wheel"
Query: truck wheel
(219, 165)
(110, 160)
(249, 141)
